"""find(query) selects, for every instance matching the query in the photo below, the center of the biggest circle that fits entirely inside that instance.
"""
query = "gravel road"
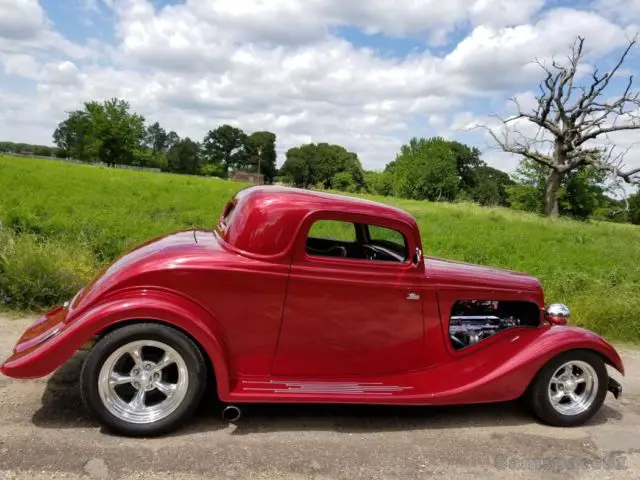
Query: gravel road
(46, 433)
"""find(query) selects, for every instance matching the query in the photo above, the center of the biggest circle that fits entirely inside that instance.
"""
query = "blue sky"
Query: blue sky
(368, 75)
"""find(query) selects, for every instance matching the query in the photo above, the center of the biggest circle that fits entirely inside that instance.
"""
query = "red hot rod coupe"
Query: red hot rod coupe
(299, 296)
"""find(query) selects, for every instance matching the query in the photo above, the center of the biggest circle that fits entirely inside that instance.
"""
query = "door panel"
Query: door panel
(350, 318)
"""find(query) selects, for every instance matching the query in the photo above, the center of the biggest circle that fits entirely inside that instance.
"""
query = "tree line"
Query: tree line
(109, 132)
(436, 169)
(433, 169)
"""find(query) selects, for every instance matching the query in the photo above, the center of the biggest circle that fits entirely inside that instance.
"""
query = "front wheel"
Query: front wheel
(143, 379)
(569, 389)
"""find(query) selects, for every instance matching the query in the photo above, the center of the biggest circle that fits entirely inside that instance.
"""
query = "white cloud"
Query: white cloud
(25, 27)
(20, 19)
(504, 13)
(501, 58)
(20, 64)
(279, 65)
(623, 11)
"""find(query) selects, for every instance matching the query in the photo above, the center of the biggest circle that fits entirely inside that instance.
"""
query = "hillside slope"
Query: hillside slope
(62, 222)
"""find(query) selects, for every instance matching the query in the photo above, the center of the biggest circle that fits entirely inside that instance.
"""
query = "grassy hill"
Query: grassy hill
(61, 222)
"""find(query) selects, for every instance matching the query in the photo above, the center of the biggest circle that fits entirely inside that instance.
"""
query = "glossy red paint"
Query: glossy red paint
(282, 326)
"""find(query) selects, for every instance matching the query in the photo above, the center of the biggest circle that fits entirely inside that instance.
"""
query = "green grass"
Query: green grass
(62, 222)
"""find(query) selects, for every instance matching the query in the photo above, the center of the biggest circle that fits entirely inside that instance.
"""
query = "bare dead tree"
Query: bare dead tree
(568, 118)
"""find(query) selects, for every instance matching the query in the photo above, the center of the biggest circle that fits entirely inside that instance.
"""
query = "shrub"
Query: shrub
(38, 274)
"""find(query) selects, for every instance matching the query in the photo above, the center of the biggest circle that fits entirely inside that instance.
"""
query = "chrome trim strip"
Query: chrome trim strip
(337, 388)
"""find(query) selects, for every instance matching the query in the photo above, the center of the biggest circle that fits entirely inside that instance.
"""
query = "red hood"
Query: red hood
(457, 274)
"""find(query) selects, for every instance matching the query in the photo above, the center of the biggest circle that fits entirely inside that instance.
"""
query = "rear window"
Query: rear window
(227, 216)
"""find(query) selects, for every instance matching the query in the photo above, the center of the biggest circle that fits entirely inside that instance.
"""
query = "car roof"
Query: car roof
(317, 200)
(265, 219)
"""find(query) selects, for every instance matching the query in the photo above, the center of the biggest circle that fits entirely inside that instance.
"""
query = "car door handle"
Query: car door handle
(413, 296)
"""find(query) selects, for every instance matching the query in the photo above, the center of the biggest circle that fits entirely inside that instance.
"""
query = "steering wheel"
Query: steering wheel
(338, 248)
(371, 253)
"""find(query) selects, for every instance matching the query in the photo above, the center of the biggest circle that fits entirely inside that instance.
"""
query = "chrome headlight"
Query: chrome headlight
(558, 313)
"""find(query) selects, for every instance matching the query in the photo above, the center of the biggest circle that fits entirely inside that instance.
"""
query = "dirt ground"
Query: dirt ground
(45, 433)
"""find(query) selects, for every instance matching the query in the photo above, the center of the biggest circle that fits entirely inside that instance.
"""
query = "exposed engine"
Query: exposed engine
(474, 320)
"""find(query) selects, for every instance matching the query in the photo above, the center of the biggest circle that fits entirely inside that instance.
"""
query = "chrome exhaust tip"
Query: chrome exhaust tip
(231, 413)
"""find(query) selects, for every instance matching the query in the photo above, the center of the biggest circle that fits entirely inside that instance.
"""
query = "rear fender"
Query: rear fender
(79, 328)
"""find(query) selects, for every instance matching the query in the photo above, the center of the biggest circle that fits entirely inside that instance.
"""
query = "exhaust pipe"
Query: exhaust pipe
(231, 413)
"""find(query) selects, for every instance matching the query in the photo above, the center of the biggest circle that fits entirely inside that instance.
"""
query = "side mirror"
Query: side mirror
(417, 256)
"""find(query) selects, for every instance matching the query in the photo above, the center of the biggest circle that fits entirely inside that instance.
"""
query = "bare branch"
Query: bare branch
(568, 117)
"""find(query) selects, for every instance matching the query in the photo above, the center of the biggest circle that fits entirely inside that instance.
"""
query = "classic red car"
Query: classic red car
(298, 296)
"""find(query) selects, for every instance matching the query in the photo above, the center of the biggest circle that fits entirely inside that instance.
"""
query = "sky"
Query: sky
(366, 74)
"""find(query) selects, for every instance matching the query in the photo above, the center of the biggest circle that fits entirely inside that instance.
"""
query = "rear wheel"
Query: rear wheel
(570, 388)
(143, 379)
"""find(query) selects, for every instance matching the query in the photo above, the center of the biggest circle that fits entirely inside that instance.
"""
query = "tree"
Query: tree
(467, 163)
(225, 149)
(313, 164)
(172, 139)
(261, 154)
(103, 131)
(489, 186)
(379, 183)
(42, 150)
(73, 135)
(634, 208)
(297, 168)
(116, 134)
(425, 169)
(185, 157)
(343, 181)
(568, 117)
(156, 139)
(581, 193)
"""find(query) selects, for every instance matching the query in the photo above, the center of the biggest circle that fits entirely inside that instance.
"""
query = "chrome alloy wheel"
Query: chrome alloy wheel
(573, 387)
(143, 381)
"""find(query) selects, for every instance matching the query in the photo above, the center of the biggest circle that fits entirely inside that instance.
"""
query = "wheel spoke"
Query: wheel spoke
(164, 362)
(117, 379)
(573, 397)
(137, 403)
(556, 397)
(579, 379)
(136, 354)
(166, 388)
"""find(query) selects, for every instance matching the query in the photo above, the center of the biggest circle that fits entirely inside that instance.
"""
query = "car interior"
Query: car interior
(329, 238)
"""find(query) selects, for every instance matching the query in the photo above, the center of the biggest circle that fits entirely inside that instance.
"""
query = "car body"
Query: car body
(279, 315)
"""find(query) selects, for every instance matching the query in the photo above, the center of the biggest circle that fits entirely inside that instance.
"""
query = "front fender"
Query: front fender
(557, 339)
(528, 352)
(50, 342)
(503, 370)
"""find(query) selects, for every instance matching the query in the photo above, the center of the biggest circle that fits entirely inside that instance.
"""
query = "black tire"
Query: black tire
(538, 396)
(191, 354)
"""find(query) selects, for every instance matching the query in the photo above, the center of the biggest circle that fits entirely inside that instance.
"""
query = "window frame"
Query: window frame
(301, 256)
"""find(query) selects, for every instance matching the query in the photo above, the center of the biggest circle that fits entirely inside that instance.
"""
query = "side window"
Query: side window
(332, 238)
(333, 230)
(382, 234)
(390, 242)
